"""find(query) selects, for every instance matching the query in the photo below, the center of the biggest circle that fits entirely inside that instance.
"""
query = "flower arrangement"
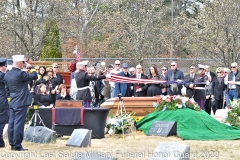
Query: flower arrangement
(120, 123)
(175, 102)
(234, 113)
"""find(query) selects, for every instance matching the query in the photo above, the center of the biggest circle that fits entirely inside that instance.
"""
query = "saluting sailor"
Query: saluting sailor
(82, 81)
(4, 109)
(199, 86)
(17, 82)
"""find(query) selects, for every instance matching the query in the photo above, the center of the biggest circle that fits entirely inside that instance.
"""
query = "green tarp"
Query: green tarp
(191, 125)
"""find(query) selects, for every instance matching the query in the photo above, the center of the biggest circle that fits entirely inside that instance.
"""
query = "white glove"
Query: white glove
(179, 80)
(108, 75)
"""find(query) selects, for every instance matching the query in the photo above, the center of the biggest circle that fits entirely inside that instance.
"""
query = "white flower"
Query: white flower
(179, 105)
(185, 99)
(155, 104)
(113, 121)
(111, 132)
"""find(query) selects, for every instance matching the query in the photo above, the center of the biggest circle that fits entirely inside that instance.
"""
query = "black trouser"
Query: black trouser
(208, 106)
(218, 105)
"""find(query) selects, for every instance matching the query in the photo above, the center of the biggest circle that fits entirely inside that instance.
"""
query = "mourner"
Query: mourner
(123, 88)
(232, 80)
(82, 80)
(4, 109)
(117, 69)
(162, 76)
(218, 88)
(174, 74)
(63, 95)
(189, 79)
(154, 89)
(139, 88)
(17, 83)
(59, 76)
(43, 98)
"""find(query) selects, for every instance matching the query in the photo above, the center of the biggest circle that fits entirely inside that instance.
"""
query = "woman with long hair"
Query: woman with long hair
(63, 95)
(42, 78)
(42, 97)
(154, 89)
(52, 83)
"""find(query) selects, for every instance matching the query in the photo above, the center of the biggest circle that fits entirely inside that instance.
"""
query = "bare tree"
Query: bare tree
(215, 32)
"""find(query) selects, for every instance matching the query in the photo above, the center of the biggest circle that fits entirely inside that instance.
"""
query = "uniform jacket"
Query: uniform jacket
(17, 83)
(82, 80)
(3, 92)
(200, 82)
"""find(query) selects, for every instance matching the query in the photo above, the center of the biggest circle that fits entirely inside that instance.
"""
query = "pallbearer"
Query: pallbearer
(82, 80)
(199, 86)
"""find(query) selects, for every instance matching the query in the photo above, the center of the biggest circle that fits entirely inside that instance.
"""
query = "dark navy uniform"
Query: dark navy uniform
(17, 83)
(200, 90)
(4, 109)
(82, 81)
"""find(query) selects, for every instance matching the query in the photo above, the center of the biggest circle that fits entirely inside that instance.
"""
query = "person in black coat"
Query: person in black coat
(52, 84)
(189, 79)
(174, 74)
(82, 81)
(218, 88)
(17, 83)
(139, 89)
(59, 76)
(42, 78)
(154, 89)
(3, 100)
(63, 95)
(42, 98)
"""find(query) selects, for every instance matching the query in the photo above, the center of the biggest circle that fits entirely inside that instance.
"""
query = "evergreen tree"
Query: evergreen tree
(52, 46)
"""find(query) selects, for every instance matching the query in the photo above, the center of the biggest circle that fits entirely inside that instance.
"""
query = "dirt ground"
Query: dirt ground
(135, 146)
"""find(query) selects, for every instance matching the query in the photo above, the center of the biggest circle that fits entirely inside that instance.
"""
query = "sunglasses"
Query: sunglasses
(225, 72)
(233, 67)
(219, 72)
(55, 67)
(173, 65)
(191, 68)
(164, 69)
(117, 64)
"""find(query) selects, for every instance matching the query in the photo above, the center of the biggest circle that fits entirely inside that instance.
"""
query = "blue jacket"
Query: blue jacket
(17, 83)
(178, 75)
(3, 92)
(121, 88)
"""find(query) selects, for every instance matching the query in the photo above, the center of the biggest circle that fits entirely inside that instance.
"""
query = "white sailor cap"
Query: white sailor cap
(19, 58)
(200, 66)
(82, 63)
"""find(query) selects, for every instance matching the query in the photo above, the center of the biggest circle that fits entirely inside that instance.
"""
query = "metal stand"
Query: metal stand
(35, 115)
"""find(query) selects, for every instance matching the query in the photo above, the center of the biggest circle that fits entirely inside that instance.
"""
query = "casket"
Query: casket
(140, 105)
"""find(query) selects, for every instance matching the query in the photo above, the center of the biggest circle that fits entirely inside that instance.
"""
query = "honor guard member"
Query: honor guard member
(82, 80)
(17, 82)
(4, 109)
(199, 86)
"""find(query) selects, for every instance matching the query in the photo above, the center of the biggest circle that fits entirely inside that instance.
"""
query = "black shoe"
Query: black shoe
(2, 146)
(20, 149)
(12, 148)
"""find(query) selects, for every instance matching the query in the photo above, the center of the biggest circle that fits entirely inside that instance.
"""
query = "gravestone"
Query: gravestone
(163, 128)
(171, 151)
(80, 138)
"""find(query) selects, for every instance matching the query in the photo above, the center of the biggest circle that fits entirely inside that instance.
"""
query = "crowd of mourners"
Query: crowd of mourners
(210, 90)
(43, 86)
